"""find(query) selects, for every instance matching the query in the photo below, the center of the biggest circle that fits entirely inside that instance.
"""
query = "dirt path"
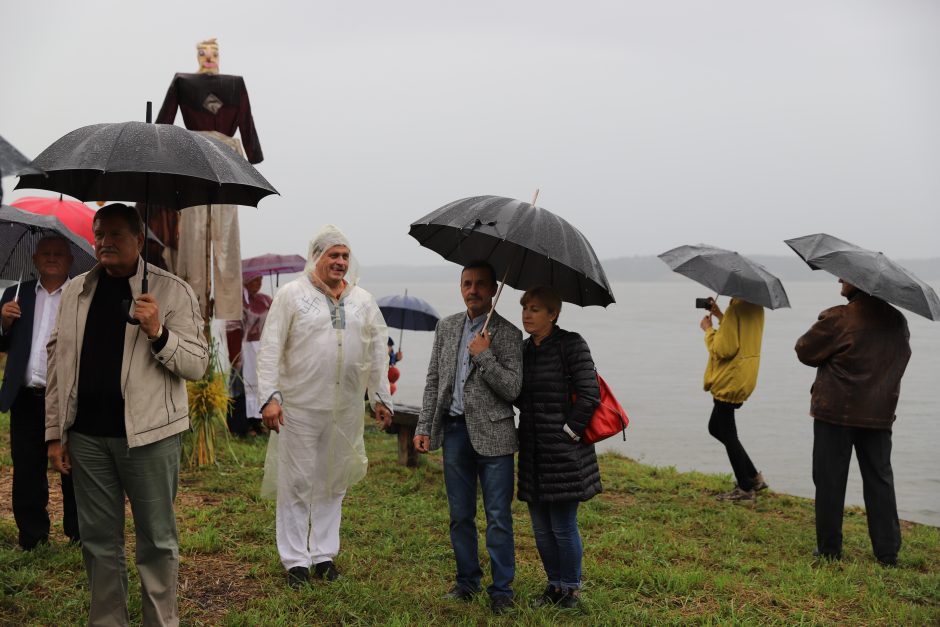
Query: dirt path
(209, 585)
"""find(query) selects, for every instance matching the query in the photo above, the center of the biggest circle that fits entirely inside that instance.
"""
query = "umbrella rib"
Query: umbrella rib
(13, 249)
(525, 256)
(114, 145)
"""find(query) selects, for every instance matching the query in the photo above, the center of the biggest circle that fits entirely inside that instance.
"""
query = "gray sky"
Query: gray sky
(645, 124)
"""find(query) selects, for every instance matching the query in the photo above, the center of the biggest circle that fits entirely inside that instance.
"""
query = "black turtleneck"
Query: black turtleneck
(100, 401)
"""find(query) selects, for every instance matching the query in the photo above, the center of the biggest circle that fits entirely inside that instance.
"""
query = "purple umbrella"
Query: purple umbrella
(272, 265)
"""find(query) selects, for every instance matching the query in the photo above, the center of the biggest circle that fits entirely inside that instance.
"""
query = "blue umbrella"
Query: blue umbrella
(408, 312)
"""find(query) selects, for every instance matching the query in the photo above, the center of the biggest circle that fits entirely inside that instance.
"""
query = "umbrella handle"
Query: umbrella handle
(128, 303)
(535, 197)
(499, 291)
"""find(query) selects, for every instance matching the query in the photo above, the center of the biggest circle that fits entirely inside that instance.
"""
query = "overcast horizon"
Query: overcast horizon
(646, 125)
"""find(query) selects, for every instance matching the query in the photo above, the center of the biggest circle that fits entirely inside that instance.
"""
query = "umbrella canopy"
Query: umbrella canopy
(872, 272)
(527, 245)
(13, 162)
(140, 162)
(77, 216)
(408, 313)
(143, 162)
(20, 232)
(272, 264)
(728, 273)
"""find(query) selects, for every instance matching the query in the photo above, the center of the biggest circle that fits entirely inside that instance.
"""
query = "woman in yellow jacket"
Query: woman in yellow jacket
(731, 376)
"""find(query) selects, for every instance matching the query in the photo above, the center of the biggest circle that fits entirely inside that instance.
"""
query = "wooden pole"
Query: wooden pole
(208, 321)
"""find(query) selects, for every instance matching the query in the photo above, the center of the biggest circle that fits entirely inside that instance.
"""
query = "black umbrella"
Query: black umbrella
(527, 245)
(143, 162)
(140, 162)
(20, 232)
(870, 271)
(728, 273)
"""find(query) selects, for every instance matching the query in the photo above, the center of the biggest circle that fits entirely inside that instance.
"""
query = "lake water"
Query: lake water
(650, 350)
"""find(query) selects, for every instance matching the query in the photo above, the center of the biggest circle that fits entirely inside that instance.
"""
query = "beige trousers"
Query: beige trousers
(104, 470)
(191, 259)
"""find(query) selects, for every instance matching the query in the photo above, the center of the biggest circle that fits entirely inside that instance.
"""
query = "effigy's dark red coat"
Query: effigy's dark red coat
(213, 102)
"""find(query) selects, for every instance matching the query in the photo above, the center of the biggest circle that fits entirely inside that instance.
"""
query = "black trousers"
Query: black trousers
(832, 452)
(30, 462)
(721, 426)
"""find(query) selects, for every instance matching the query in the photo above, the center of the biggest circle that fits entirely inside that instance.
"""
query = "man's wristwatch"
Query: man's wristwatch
(157, 336)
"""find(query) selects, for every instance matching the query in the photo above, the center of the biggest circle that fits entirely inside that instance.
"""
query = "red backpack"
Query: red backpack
(609, 416)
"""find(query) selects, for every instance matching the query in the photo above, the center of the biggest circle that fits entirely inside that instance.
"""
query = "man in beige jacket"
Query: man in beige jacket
(116, 404)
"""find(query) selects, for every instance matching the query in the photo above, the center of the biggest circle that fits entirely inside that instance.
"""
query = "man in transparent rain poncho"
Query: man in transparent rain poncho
(323, 347)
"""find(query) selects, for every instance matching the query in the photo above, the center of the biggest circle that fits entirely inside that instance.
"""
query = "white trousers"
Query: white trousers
(308, 515)
(250, 377)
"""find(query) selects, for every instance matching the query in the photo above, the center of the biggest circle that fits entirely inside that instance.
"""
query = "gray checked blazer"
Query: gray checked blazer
(493, 383)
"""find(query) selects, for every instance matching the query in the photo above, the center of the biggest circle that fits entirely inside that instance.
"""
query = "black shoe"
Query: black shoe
(889, 561)
(297, 577)
(29, 545)
(459, 593)
(822, 558)
(550, 596)
(326, 570)
(570, 600)
(501, 603)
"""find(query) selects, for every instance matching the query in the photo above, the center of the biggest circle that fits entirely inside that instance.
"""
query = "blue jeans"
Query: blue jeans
(462, 466)
(555, 526)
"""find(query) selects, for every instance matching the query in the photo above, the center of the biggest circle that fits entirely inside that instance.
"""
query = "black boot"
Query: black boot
(297, 577)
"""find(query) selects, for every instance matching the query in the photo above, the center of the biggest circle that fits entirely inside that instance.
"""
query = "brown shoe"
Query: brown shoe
(737, 495)
(759, 483)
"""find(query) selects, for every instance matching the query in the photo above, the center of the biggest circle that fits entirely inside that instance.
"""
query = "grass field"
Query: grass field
(658, 550)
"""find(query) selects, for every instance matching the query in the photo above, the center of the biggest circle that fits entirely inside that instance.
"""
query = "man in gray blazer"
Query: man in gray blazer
(472, 380)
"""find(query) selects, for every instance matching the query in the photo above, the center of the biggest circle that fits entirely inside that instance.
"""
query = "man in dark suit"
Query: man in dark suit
(472, 380)
(25, 325)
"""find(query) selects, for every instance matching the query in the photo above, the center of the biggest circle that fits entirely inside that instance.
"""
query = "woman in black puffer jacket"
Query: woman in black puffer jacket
(556, 470)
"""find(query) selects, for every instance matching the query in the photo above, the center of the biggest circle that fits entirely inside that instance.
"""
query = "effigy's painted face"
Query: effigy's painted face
(207, 53)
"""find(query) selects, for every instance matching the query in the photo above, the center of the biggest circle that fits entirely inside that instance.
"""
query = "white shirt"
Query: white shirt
(44, 316)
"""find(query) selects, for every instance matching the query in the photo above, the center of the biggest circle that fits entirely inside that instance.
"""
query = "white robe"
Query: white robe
(322, 359)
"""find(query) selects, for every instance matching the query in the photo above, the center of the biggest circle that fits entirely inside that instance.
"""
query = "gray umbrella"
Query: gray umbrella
(728, 273)
(13, 162)
(21, 230)
(869, 271)
(526, 244)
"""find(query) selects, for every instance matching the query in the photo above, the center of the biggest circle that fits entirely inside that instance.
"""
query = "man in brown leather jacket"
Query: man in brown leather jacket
(860, 351)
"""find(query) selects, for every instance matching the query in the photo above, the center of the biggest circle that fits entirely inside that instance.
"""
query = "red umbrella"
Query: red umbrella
(75, 215)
